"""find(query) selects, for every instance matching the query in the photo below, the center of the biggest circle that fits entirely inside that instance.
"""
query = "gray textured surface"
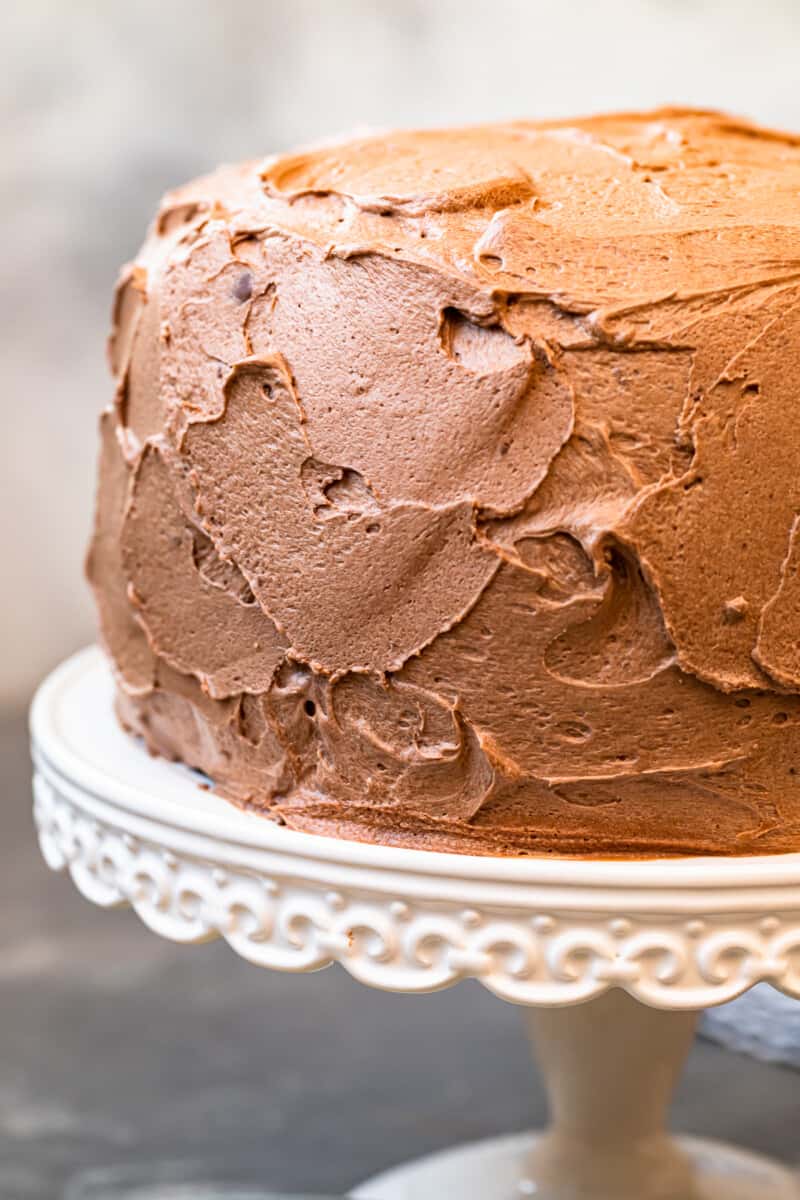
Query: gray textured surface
(763, 1023)
(120, 1048)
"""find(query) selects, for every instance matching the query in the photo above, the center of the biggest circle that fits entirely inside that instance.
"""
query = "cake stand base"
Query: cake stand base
(611, 961)
(500, 1169)
(609, 1067)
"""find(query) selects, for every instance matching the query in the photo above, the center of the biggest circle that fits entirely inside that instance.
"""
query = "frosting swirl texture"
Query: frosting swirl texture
(450, 495)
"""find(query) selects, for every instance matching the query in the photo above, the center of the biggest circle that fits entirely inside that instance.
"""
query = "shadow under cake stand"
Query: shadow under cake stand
(613, 960)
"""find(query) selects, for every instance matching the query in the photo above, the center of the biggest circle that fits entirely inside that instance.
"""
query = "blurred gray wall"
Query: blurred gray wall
(107, 104)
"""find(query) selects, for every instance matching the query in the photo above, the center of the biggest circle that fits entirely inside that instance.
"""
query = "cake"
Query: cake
(449, 495)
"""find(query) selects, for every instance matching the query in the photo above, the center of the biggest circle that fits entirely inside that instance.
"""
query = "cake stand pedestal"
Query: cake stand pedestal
(612, 959)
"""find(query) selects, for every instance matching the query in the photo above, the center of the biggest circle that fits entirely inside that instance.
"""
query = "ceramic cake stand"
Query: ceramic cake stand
(612, 959)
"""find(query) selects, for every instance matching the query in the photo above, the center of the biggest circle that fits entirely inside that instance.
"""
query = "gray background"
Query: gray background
(117, 1047)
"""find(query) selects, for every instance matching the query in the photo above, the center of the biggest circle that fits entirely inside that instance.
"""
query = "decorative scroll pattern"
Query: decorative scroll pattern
(416, 945)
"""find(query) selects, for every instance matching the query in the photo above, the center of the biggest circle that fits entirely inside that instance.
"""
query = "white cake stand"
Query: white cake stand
(613, 959)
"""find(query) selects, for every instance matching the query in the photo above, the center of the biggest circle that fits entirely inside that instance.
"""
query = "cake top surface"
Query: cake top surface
(603, 211)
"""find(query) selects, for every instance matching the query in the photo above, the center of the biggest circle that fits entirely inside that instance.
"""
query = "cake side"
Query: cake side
(449, 494)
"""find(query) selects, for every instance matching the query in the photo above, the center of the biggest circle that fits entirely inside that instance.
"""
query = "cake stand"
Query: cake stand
(612, 960)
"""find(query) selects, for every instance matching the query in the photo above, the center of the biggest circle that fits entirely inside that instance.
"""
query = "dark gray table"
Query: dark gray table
(121, 1048)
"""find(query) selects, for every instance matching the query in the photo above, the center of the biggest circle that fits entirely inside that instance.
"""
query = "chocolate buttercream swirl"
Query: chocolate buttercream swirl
(449, 497)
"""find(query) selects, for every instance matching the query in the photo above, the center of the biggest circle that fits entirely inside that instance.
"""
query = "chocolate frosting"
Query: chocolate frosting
(450, 496)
